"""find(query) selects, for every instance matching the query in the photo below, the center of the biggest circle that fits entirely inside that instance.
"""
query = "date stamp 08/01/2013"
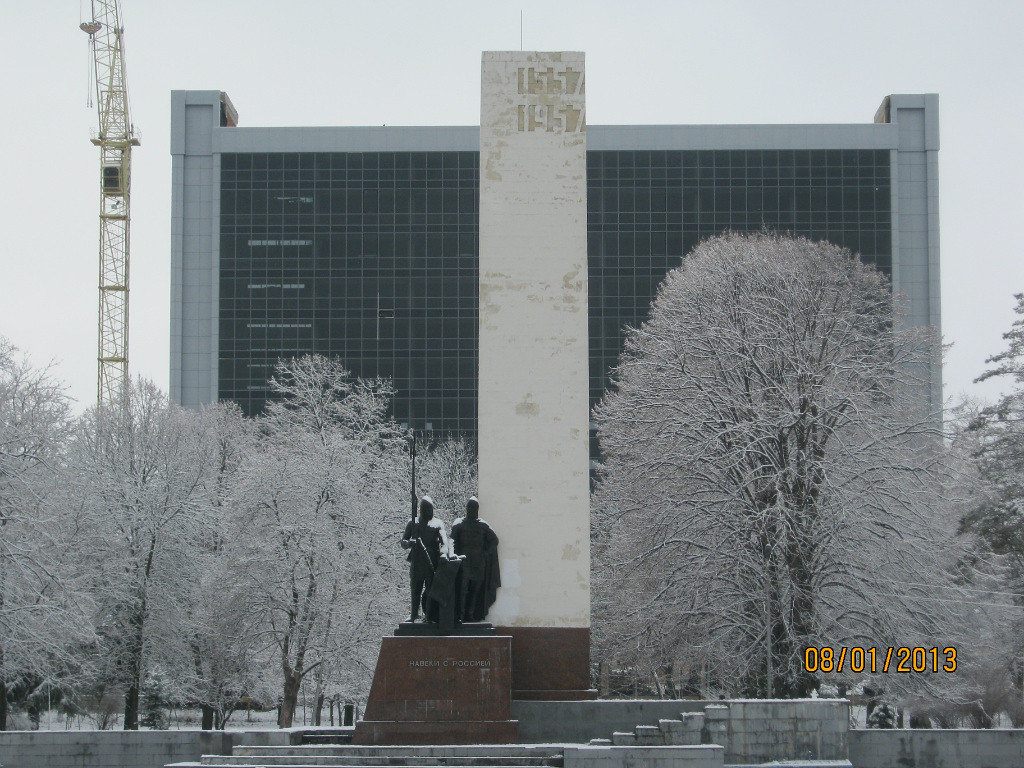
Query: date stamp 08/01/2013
(856, 659)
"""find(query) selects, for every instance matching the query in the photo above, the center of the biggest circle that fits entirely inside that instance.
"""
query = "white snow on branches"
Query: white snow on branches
(770, 477)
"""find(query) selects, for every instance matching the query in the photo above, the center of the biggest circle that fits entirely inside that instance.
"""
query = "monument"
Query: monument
(533, 409)
(533, 431)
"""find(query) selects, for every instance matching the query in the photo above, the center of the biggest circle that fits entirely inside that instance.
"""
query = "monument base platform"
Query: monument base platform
(430, 629)
(394, 732)
(440, 690)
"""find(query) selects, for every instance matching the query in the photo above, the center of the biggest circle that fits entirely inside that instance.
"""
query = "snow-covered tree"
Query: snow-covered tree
(993, 436)
(217, 554)
(771, 477)
(43, 610)
(447, 471)
(318, 507)
(141, 468)
(156, 698)
(999, 452)
(213, 663)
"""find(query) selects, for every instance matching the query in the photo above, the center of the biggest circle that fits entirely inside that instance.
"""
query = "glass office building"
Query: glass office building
(362, 243)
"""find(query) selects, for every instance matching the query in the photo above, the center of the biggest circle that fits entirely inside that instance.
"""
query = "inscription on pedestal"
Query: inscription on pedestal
(451, 663)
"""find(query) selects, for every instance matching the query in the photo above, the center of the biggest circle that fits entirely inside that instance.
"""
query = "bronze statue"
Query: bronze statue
(474, 540)
(426, 539)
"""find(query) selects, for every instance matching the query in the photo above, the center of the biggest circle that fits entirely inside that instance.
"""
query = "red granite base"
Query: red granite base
(440, 690)
(550, 663)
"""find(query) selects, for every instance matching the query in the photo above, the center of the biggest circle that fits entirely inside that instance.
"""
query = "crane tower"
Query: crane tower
(115, 139)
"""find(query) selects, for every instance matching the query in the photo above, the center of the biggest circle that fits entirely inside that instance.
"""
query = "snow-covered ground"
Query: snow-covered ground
(177, 719)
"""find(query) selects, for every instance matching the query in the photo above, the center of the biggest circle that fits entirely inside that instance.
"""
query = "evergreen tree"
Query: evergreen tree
(882, 716)
(999, 520)
(155, 701)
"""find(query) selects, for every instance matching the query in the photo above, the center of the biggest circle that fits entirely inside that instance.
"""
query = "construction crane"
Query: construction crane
(115, 138)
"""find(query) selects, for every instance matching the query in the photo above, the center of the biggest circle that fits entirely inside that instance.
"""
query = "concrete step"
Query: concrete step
(677, 733)
(684, 732)
(363, 761)
(600, 742)
(347, 756)
(649, 736)
(222, 761)
(504, 751)
(649, 757)
(624, 739)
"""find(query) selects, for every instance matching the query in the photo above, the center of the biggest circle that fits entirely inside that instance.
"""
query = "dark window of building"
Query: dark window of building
(373, 257)
(839, 195)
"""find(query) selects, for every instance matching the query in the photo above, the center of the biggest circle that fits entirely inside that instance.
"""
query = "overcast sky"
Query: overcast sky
(418, 63)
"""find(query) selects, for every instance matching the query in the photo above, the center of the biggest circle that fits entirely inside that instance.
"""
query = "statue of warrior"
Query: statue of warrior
(477, 543)
(425, 538)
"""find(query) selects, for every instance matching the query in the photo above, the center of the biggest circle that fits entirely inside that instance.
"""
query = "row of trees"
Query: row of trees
(772, 480)
(232, 558)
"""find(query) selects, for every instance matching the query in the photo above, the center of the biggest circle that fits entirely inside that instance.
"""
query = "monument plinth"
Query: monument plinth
(440, 690)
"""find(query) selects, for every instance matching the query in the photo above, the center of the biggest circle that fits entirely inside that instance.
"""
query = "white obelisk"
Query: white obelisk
(533, 408)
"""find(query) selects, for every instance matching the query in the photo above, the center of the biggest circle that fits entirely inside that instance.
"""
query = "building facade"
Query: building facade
(364, 242)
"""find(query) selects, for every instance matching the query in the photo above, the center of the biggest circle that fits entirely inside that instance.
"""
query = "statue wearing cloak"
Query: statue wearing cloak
(474, 540)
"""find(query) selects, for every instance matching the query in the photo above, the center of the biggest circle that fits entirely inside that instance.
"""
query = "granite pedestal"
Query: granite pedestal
(440, 690)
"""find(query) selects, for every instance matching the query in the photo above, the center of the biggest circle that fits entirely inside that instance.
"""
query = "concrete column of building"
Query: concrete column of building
(915, 212)
(195, 208)
(533, 409)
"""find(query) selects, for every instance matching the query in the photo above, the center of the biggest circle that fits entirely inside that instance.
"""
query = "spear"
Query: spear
(412, 488)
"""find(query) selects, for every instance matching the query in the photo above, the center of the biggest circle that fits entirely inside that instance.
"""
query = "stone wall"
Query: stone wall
(122, 749)
(795, 729)
(751, 730)
(937, 748)
(707, 756)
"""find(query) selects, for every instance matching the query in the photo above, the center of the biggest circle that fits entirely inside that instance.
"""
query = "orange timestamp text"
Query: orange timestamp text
(857, 659)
